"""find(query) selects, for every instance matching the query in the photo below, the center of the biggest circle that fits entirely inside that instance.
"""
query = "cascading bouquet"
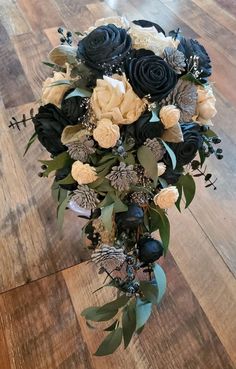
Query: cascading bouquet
(126, 119)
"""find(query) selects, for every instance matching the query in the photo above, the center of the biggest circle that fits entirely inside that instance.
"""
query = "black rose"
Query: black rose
(145, 24)
(74, 108)
(105, 46)
(150, 75)
(49, 123)
(143, 129)
(186, 151)
(191, 48)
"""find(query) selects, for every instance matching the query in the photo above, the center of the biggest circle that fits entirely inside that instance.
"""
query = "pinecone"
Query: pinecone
(122, 177)
(80, 150)
(85, 197)
(156, 147)
(175, 59)
(140, 198)
(184, 96)
(105, 255)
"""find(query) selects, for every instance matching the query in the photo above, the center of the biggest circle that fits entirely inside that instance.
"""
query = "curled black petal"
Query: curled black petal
(145, 24)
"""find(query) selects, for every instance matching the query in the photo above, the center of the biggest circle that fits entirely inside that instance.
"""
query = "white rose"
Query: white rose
(54, 94)
(161, 168)
(167, 197)
(169, 116)
(149, 38)
(106, 133)
(205, 105)
(120, 105)
(83, 173)
(120, 22)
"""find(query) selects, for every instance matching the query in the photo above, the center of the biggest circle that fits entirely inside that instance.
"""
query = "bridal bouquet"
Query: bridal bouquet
(126, 117)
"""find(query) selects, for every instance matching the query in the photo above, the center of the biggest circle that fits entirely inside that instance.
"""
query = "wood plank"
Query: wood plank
(219, 36)
(219, 14)
(207, 275)
(178, 336)
(159, 13)
(12, 18)
(41, 329)
(13, 78)
(228, 5)
(4, 357)
(40, 14)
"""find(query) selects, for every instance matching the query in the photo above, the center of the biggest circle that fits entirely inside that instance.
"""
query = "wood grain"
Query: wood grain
(40, 323)
(41, 329)
(179, 334)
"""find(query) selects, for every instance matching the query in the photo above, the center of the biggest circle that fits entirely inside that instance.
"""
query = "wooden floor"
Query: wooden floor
(42, 283)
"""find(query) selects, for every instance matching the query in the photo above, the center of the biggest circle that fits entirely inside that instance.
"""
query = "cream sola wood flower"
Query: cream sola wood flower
(106, 133)
(167, 197)
(83, 173)
(169, 115)
(205, 109)
(53, 94)
(114, 99)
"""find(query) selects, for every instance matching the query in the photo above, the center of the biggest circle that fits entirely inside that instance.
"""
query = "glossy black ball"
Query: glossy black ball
(150, 250)
(131, 218)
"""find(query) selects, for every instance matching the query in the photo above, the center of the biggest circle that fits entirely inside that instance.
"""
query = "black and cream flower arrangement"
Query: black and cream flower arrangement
(126, 118)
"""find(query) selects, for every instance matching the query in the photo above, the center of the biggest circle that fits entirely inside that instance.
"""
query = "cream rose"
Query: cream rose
(120, 22)
(161, 168)
(205, 105)
(109, 101)
(149, 38)
(83, 173)
(169, 116)
(106, 133)
(54, 94)
(167, 197)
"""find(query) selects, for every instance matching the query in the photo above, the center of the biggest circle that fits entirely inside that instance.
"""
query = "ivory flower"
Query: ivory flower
(166, 198)
(120, 22)
(149, 38)
(109, 101)
(54, 94)
(169, 116)
(83, 173)
(62, 54)
(106, 133)
(205, 105)
(161, 168)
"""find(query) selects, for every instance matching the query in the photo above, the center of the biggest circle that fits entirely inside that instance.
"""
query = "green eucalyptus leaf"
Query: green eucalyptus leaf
(67, 180)
(202, 157)
(111, 327)
(180, 190)
(58, 162)
(55, 188)
(143, 312)
(30, 142)
(106, 201)
(150, 291)
(171, 154)
(164, 227)
(114, 305)
(129, 159)
(129, 322)
(107, 216)
(160, 280)
(210, 133)
(186, 185)
(60, 82)
(154, 117)
(93, 314)
(79, 92)
(148, 161)
(155, 220)
(190, 77)
(119, 206)
(110, 343)
(61, 211)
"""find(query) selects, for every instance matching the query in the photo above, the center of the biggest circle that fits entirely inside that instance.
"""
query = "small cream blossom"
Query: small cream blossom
(149, 38)
(169, 116)
(167, 197)
(205, 105)
(83, 173)
(120, 22)
(108, 101)
(54, 94)
(161, 168)
(106, 133)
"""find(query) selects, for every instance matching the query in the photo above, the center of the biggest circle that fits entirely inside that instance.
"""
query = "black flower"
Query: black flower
(150, 75)
(105, 46)
(191, 48)
(143, 129)
(49, 123)
(145, 24)
(74, 108)
(186, 151)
